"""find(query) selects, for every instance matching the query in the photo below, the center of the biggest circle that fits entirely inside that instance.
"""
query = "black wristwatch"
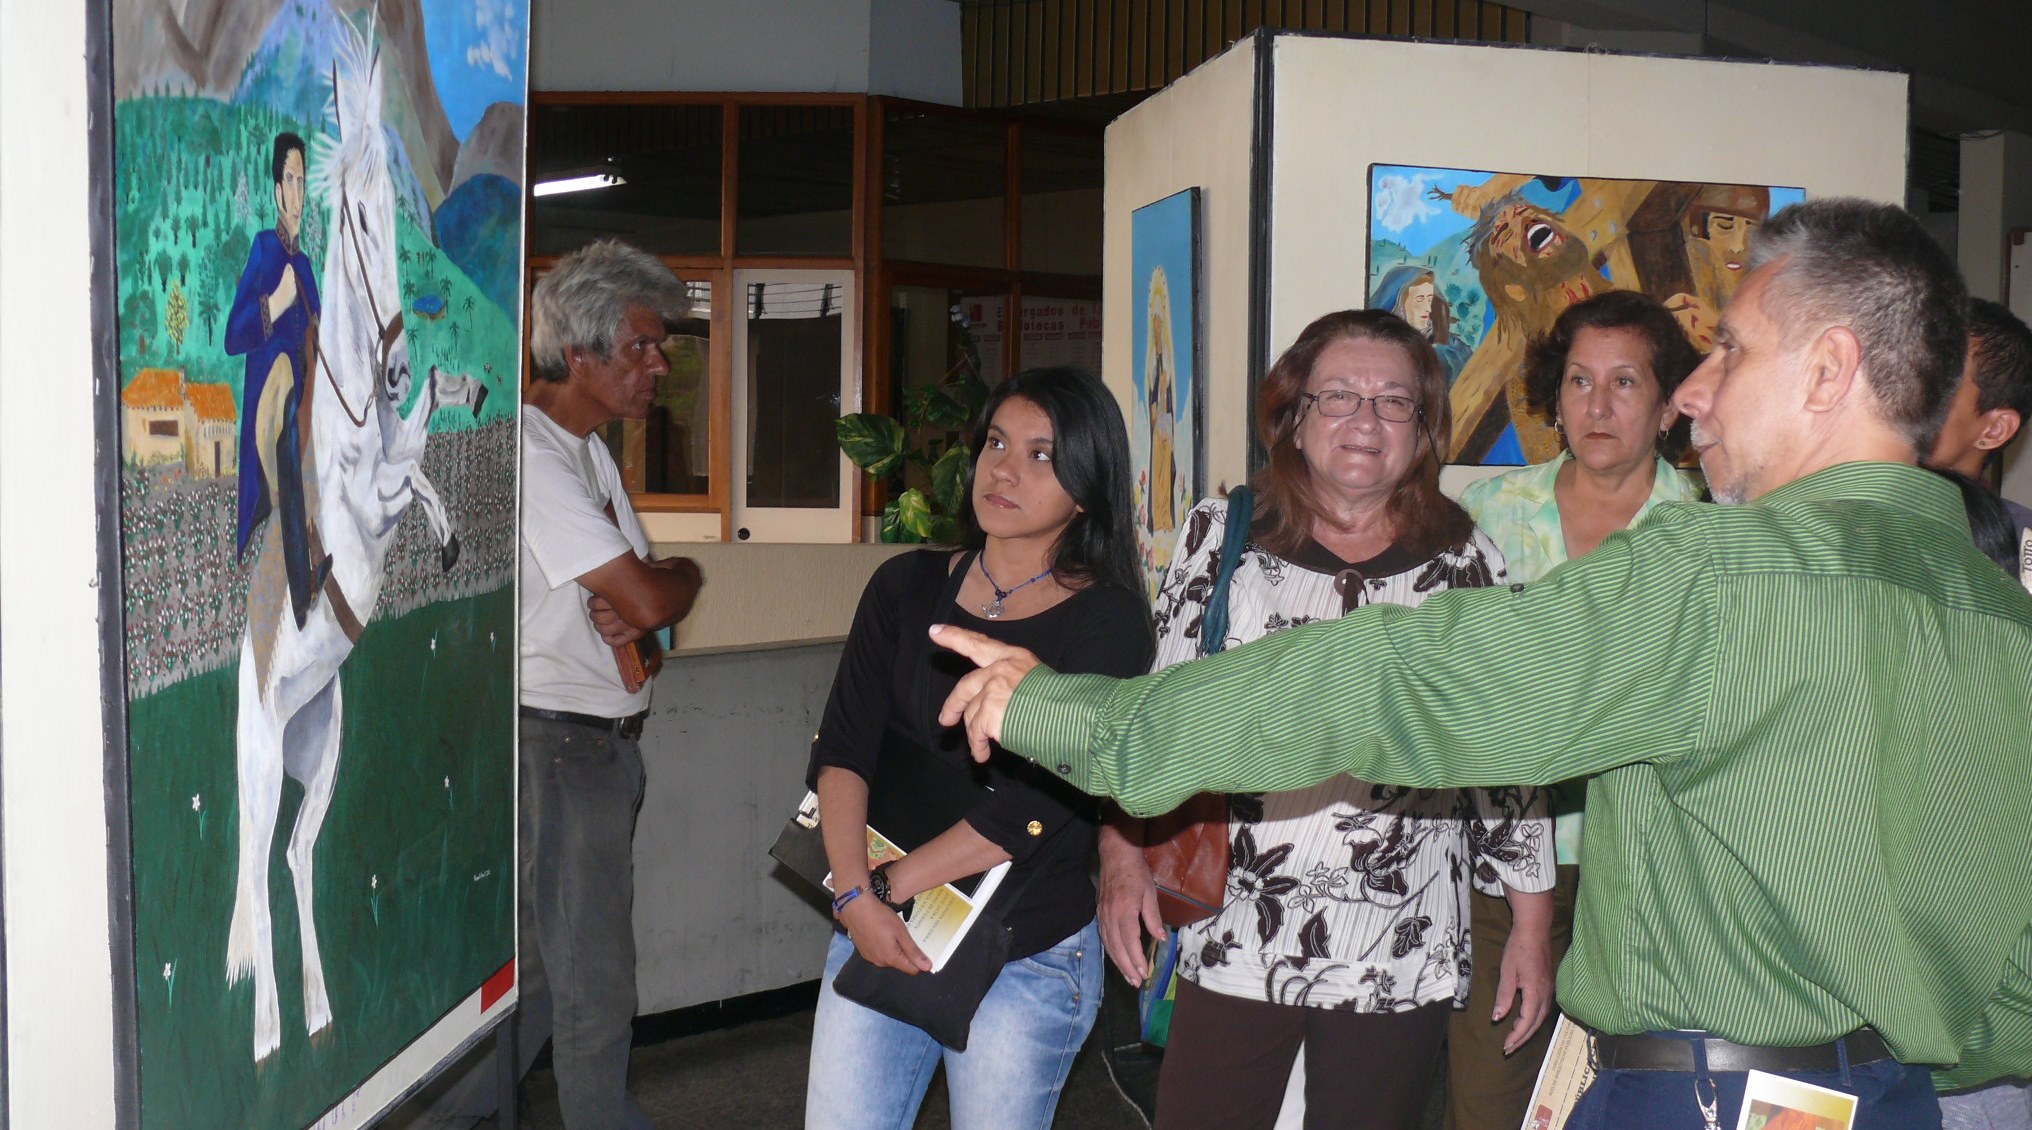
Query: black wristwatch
(878, 885)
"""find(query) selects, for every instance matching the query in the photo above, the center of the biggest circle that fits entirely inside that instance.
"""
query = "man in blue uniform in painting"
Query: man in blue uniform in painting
(274, 313)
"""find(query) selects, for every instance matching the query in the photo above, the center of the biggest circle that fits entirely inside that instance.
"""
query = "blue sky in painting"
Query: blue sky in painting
(1406, 212)
(479, 53)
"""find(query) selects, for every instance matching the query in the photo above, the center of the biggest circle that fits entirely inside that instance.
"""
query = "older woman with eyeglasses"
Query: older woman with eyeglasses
(1346, 925)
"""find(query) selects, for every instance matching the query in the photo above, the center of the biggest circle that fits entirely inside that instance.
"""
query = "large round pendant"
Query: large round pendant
(993, 609)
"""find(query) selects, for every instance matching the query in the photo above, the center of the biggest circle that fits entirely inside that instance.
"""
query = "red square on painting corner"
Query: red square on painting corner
(497, 986)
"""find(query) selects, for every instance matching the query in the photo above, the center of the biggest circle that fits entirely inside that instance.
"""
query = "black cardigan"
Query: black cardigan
(1046, 826)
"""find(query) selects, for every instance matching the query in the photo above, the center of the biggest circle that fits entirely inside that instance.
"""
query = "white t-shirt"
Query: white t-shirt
(567, 483)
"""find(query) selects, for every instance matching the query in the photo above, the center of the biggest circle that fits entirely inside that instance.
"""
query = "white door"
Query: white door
(796, 369)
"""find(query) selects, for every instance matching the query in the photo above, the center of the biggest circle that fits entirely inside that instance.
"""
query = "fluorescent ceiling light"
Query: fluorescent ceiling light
(577, 184)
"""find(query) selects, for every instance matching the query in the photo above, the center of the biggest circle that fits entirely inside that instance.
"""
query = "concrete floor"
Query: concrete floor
(752, 1074)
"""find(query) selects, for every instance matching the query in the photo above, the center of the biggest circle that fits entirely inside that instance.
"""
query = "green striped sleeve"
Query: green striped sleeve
(1055, 714)
(1604, 662)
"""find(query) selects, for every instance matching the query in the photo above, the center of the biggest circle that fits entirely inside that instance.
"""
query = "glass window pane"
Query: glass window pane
(928, 343)
(797, 181)
(944, 181)
(794, 365)
(668, 158)
(1061, 202)
(670, 452)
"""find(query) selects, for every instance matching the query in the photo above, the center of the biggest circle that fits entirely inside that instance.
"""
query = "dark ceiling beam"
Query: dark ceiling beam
(1963, 58)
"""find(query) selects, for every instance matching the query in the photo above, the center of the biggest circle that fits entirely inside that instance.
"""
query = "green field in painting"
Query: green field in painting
(414, 871)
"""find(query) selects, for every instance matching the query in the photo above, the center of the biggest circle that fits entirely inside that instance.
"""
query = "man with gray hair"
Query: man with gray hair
(589, 593)
(1805, 716)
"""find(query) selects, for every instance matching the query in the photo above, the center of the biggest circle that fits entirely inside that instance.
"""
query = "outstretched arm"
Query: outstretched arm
(1434, 696)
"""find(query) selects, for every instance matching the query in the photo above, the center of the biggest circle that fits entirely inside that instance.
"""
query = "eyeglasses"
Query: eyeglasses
(1337, 402)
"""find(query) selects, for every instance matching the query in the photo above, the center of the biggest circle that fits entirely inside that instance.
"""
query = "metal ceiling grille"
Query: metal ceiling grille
(1024, 52)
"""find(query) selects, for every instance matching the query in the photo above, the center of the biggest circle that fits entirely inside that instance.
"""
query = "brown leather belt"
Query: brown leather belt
(1651, 1052)
(629, 727)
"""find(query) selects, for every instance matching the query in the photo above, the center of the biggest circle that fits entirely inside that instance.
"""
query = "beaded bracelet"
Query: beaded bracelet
(841, 900)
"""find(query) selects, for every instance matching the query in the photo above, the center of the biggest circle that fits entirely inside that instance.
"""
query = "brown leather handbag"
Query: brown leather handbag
(1187, 848)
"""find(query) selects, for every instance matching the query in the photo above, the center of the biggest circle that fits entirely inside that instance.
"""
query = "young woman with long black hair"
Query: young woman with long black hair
(1048, 562)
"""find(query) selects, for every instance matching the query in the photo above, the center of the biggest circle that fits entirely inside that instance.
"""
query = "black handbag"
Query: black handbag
(941, 1003)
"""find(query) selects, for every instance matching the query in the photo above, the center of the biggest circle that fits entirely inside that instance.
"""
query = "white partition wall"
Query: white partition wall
(1337, 105)
(1196, 132)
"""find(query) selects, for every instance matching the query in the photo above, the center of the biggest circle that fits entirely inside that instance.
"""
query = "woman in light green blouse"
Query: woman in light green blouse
(1604, 375)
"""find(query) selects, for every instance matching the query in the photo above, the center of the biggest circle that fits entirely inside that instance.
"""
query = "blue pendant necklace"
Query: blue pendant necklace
(993, 609)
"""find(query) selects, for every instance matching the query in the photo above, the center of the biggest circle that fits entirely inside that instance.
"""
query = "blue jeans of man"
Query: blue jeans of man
(580, 792)
(869, 1072)
(1893, 1096)
(1999, 1106)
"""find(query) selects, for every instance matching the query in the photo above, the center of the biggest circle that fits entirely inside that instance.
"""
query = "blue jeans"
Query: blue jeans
(1999, 1106)
(869, 1072)
(580, 791)
(1893, 1096)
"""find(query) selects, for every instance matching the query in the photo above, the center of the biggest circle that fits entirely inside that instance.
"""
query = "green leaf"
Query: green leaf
(893, 530)
(916, 403)
(913, 513)
(949, 478)
(975, 393)
(970, 350)
(943, 411)
(874, 442)
(945, 530)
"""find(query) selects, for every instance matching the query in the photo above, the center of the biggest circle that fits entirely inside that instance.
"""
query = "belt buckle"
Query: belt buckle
(629, 727)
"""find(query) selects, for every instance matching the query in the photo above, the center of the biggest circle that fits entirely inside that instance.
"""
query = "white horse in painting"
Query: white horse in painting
(366, 456)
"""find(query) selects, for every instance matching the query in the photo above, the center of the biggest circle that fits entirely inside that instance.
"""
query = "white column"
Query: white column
(1996, 196)
(59, 966)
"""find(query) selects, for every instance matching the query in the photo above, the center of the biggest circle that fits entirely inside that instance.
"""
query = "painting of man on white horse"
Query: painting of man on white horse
(350, 377)
(317, 247)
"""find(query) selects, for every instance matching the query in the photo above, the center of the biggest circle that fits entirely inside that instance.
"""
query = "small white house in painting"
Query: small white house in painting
(165, 420)
(211, 444)
(152, 413)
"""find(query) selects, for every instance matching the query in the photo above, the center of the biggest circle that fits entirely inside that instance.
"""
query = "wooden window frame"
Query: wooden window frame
(870, 350)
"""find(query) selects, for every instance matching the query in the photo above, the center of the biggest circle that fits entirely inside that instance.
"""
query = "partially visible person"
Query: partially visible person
(2005, 1105)
(588, 587)
(1604, 378)
(1992, 401)
(1805, 848)
(1345, 929)
(1048, 562)
(1991, 526)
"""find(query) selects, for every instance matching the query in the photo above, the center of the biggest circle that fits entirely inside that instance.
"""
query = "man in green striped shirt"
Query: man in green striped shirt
(1811, 715)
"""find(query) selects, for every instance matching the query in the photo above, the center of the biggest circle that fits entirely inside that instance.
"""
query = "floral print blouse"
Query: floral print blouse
(1347, 894)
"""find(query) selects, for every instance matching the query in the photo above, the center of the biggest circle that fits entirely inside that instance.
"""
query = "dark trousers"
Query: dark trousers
(1485, 1089)
(296, 561)
(580, 790)
(1893, 1097)
(1230, 1057)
